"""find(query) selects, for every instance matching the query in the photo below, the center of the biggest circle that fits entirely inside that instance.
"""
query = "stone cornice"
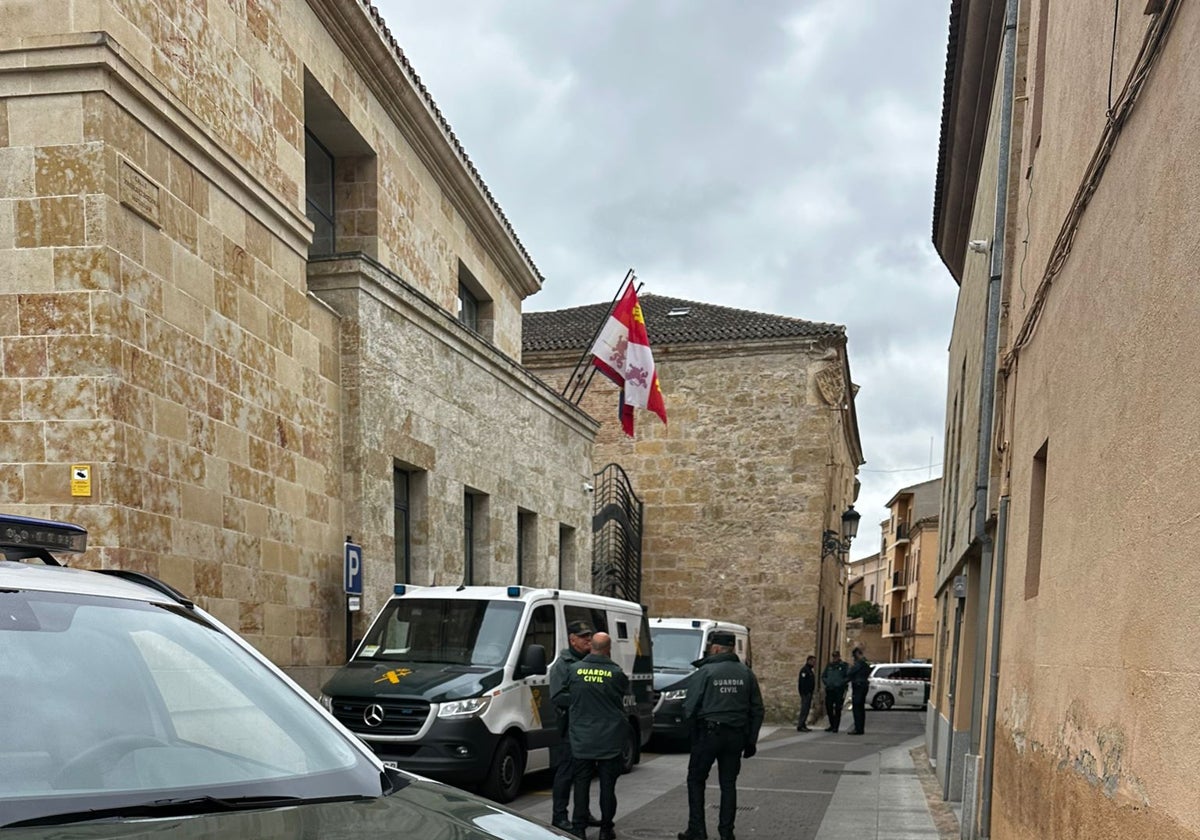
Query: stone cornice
(362, 275)
(31, 70)
(539, 359)
(370, 48)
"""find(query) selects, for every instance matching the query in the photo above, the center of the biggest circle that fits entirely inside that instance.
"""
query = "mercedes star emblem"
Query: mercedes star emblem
(373, 716)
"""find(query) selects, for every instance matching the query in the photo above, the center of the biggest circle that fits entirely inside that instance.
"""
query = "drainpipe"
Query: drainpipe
(989, 752)
(991, 351)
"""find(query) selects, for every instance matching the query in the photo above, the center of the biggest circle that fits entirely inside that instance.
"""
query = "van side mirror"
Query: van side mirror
(533, 662)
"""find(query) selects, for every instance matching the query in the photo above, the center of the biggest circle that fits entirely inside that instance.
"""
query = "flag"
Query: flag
(622, 353)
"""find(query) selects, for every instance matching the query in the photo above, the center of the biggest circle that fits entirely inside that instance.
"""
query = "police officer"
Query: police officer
(725, 708)
(806, 684)
(597, 728)
(859, 678)
(579, 645)
(834, 680)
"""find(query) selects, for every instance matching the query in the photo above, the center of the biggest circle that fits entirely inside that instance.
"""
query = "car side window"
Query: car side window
(541, 630)
(916, 673)
(885, 673)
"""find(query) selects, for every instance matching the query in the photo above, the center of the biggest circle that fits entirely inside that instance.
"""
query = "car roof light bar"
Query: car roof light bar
(23, 537)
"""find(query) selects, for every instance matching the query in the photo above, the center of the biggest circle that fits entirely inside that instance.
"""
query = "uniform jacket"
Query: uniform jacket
(834, 678)
(859, 675)
(723, 690)
(596, 690)
(560, 671)
(807, 682)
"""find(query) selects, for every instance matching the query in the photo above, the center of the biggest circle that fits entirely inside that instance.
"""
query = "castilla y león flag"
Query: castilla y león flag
(622, 353)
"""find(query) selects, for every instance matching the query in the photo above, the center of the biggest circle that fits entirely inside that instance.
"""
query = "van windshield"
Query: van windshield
(675, 648)
(451, 631)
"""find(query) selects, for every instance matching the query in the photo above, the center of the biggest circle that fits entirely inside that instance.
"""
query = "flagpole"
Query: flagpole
(576, 387)
(592, 369)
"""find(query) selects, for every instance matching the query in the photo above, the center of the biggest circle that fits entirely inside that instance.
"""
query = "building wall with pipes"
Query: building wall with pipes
(1095, 730)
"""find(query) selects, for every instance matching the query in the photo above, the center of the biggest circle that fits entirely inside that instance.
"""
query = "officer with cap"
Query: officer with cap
(579, 645)
(725, 708)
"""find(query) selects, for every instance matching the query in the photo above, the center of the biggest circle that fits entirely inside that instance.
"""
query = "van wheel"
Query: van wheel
(883, 701)
(503, 782)
(629, 749)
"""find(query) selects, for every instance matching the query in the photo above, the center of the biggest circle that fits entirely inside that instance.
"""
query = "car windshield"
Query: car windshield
(444, 630)
(675, 648)
(113, 703)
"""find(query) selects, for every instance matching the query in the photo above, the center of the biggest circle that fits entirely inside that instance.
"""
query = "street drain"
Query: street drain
(847, 772)
(716, 806)
(900, 771)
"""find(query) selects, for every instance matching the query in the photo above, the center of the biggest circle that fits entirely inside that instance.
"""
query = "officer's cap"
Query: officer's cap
(722, 639)
(579, 628)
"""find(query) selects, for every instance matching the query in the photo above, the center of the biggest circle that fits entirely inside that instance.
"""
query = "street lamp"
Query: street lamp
(833, 545)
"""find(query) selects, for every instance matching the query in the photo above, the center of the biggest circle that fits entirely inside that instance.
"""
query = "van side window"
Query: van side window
(541, 631)
(622, 630)
(886, 674)
(573, 613)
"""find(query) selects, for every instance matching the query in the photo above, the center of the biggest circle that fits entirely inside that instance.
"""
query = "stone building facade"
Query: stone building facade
(1074, 697)
(251, 279)
(758, 459)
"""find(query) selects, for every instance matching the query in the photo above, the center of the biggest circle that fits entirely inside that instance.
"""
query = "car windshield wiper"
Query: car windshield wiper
(179, 808)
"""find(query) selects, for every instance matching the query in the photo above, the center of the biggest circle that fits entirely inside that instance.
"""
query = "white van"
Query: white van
(452, 682)
(678, 643)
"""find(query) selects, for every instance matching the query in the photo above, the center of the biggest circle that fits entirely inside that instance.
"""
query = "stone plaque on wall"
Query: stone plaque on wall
(140, 194)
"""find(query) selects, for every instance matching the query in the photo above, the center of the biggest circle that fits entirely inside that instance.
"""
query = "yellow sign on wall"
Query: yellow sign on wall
(81, 479)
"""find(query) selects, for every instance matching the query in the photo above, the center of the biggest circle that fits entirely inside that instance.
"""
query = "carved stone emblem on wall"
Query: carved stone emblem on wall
(831, 385)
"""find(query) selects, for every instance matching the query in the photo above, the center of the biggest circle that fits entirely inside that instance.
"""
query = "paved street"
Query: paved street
(810, 786)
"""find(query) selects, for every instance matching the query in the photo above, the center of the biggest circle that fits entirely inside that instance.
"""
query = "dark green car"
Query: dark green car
(130, 712)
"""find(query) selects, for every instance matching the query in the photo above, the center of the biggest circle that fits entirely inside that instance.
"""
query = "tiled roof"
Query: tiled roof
(404, 63)
(692, 322)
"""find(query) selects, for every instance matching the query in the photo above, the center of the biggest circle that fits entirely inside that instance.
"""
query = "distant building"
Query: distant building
(251, 281)
(909, 563)
(759, 458)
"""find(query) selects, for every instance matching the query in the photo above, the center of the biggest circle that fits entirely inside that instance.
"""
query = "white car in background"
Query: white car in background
(899, 684)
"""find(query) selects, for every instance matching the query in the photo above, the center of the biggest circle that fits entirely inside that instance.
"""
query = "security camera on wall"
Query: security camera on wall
(588, 488)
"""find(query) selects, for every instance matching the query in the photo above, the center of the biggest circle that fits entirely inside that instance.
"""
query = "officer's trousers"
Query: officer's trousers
(858, 706)
(834, 700)
(724, 745)
(805, 707)
(564, 779)
(607, 769)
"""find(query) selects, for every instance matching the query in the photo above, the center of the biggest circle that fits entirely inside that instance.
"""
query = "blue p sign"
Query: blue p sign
(353, 575)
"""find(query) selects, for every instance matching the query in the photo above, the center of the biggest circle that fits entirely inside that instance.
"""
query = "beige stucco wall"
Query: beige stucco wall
(737, 492)
(156, 321)
(1096, 709)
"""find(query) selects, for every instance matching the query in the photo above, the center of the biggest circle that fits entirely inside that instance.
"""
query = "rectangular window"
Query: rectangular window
(468, 538)
(1037, 512)
(318, 195)
(401, 489)
(526, 543)
(566, 556)
(468, 308)
(474, 306)
(622, 630)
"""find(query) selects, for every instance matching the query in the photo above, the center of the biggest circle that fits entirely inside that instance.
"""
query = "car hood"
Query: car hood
(435, 682)
(667, 680)
(422, 809)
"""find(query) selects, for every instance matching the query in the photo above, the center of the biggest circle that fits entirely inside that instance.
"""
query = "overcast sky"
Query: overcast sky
(772, 156)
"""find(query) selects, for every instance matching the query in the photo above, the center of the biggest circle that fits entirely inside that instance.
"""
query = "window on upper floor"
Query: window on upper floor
(474, 306)
(340, 196)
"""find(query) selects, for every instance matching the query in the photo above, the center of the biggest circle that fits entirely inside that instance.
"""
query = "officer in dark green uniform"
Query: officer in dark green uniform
(834, 680)
(579, 645)
(725, 708)
(859, 677)
(597, 728)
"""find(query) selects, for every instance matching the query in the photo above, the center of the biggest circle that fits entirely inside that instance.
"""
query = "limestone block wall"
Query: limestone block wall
(156, 321)
(424, 394)
(737, 490)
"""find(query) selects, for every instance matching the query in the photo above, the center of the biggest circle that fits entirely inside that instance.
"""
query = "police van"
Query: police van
(678, 642)
(452, 682)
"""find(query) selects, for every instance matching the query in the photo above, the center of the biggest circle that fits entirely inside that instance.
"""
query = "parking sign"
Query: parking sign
(353, 576)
